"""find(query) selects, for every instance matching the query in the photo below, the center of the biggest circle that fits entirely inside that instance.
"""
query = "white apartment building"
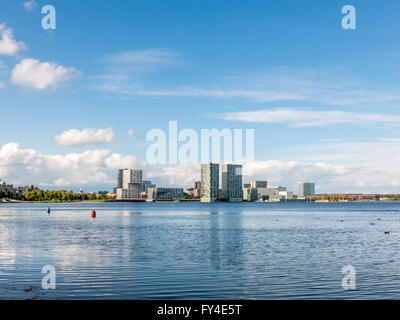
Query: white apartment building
(132, 184)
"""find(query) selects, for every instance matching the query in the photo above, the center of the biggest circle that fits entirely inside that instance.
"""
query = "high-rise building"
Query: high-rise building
(120, 178)
(209, 191)
(306, 189)
(259, 184)
(132, 184)
(232, 182)
(131, 176)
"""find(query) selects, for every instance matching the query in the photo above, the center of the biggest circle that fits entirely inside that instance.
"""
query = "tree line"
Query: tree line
(61, 195)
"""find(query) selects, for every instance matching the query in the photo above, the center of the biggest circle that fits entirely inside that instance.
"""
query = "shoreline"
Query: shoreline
(189, 201)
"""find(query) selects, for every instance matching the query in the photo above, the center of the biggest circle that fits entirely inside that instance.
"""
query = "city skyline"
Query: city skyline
(78, 101)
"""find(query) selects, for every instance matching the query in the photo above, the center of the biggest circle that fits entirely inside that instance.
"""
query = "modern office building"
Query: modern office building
(120, 178)
(250, 194)
(147, 184)
(274, 194)
(306, 189)
(285, 195)
(209, 191)
(164, 194)
(269, 193)
(266, 194)
(130, 176)
(259, 184)
(132, 184)
(232, 182)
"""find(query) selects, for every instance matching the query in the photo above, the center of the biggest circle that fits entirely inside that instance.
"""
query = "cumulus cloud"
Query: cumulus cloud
(41, 75)
(30, 5)
(89, 168)
(334, 167)
(306, 118)
(179, 175)
(8, 45)
(290, 173)
(75, 137)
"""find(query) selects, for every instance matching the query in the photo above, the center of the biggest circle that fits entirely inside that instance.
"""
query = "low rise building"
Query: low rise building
(259, 184)
(146, 185)
(285, 195)
(164, 194)
(14, 192)
(250, 194)
(274, 194)
(266, 194)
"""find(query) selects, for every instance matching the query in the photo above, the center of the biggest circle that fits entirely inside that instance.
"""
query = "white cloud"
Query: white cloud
(8, 45)
(334, 167)
(30, 5)
(290, 173)
(41, 75)
(2, 85)
(89, 168)
(306, 118)
(142, 60)
(124, 72)
(131, 134)
(75, 137)
(326, 87)
(179, 175)
(256, 95)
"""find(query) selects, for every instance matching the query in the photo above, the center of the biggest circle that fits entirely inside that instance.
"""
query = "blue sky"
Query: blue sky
(323, 101)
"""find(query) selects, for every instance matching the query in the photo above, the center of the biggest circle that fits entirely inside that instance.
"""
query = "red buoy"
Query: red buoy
(93, 214)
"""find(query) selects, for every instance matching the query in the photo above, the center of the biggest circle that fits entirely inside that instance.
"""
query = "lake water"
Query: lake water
(200, 251)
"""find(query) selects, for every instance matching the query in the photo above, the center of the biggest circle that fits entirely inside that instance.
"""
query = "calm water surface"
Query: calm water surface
(200, 251)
